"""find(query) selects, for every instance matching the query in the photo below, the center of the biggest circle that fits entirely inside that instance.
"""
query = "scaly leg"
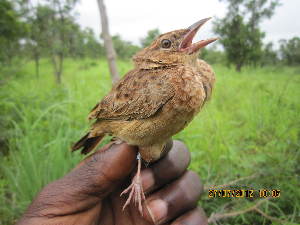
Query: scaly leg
(136, 189)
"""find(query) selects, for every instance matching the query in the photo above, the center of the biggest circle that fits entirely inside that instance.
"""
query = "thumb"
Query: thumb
(102, 171)
(89, 182)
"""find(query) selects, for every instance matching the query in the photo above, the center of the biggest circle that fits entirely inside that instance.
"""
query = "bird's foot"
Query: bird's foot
(136, 194)
(135, 190)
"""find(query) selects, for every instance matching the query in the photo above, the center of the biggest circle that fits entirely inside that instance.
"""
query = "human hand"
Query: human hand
(90, 193)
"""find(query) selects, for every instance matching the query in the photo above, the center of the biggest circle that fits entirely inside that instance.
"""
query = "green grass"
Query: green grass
(251, 126)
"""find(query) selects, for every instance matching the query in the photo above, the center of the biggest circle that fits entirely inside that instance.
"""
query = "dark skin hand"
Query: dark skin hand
(89, 194)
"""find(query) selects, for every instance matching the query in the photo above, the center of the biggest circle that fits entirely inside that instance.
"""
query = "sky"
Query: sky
(133, 18)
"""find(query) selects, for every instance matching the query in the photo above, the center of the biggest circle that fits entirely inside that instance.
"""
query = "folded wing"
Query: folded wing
(139, 95)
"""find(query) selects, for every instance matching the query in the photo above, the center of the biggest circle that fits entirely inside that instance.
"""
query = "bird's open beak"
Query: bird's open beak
(187, 45)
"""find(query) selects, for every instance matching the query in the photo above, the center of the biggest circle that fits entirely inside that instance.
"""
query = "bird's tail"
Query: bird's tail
(87, 143)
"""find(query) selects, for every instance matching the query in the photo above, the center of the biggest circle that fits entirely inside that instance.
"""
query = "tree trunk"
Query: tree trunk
(58, 77)
(108, 44)
(238, 67)
(57, 61)
(37, 65)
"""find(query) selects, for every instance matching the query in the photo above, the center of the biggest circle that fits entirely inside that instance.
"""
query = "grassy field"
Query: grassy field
(250, 128)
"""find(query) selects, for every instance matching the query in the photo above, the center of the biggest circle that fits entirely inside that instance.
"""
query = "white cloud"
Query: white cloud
(133, 18)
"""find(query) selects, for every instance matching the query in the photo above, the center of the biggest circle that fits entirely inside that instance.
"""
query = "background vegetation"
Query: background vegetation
(247, 137)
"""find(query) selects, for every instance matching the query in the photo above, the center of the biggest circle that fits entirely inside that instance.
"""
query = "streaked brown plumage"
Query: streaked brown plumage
(158, 98)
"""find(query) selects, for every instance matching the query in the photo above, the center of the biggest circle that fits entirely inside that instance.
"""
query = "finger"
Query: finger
(193, 217)
(175, 199)
(173, 165)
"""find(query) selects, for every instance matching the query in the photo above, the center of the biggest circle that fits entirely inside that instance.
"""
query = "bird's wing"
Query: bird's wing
(139, 95)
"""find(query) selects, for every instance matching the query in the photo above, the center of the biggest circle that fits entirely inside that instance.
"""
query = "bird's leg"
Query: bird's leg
(136, 189)
(115, 140)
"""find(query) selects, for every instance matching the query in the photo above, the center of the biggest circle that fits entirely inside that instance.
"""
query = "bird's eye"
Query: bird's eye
(166, 43)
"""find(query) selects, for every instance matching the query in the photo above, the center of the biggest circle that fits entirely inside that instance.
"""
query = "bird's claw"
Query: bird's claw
(136, 193)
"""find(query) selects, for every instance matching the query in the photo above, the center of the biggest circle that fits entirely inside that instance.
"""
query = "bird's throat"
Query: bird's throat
(153, 65)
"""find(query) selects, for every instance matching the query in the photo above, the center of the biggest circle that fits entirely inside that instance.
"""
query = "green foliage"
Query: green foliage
(124, 49)
(241, 44)
(269, 56)
(53, 31)
(260, 9)
(151, 35)
(290, 51)
(239, 30)
(77, 42)
(213, 56)
(91, 46)
(251, 126)
(10, 25)
(11, 29)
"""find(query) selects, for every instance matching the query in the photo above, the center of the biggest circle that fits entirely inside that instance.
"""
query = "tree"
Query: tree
(212, 56)
(124, 49)
(53, 25)
(290, 51)
(38, 18)
(92, 47)
(239, 30)
(269, 56)
(59, 31)
(108, 44)
(11, 31)
(151, 35)
(54, 33)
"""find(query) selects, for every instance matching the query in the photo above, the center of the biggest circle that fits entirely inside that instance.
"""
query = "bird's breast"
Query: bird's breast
(190, 91)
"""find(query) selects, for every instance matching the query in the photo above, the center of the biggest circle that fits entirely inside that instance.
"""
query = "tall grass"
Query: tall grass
(251, 126)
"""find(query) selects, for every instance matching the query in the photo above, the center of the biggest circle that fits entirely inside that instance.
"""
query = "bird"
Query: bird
(158, 98)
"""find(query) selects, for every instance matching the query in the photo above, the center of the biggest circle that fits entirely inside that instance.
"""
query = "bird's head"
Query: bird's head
(172, 48)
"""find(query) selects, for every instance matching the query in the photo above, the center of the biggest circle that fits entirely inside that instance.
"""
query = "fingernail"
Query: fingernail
(158, 210)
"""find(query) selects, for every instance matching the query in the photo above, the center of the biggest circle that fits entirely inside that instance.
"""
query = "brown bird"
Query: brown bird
(158, 98)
